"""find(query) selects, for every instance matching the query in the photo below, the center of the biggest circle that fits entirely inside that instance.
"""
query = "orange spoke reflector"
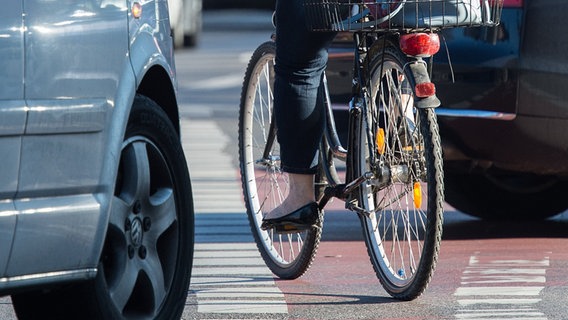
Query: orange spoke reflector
(380, 140)
(417, 192)
(425, 89)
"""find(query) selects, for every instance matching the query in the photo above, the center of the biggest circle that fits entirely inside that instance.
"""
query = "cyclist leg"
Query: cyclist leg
(301, 57)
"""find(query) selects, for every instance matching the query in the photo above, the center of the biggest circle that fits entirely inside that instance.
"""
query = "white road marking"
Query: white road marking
(501, 288)
(503, 279)
(498, 291)
(488, 270)
(228, 275)
(216, 83)
(471, 302)
(242, 306)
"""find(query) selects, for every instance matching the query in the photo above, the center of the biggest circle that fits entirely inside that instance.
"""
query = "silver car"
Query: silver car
(186, 21)
(96, 211)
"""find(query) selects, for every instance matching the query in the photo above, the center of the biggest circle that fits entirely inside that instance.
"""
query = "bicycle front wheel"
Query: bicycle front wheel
(403, 203)
(265, 186)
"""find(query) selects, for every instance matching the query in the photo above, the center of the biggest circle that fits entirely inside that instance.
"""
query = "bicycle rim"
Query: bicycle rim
(403, 226)
(265, 186)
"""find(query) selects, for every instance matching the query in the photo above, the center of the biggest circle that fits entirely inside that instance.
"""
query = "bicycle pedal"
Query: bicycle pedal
(289, 229)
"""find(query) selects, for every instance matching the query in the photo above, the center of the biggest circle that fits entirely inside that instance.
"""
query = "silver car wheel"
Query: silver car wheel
(144, 220)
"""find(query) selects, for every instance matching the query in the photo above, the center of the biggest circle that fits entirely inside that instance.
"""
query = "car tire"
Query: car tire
(506, 196)
(153, 199)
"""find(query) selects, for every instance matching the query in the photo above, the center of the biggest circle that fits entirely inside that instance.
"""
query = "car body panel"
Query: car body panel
(66, 116)
(12, 120)
(544, 57)
(477, 56)
(142, 37)
(54, 233)
(7, 226)
(521, 77)
(81, 65)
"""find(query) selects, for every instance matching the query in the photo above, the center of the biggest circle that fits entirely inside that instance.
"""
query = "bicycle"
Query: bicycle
(393, 160)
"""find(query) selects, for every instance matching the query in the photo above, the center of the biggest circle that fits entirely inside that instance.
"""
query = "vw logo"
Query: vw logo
(136, 232)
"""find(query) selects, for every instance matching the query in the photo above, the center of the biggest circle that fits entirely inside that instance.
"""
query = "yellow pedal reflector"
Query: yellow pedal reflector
(417, 191)
(380, 140)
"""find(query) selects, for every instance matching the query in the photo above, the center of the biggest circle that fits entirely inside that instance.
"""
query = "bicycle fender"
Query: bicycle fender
(420, 74)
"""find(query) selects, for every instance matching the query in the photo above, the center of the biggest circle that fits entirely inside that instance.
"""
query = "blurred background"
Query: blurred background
(236, 4)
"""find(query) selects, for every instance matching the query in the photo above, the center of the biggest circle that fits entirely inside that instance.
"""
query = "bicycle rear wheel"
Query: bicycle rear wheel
(265, 186)
(400, 145)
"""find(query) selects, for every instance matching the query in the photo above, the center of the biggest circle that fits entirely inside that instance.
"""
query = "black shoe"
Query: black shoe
(302, 219)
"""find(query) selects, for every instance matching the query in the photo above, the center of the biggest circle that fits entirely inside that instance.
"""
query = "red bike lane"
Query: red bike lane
(506, 270)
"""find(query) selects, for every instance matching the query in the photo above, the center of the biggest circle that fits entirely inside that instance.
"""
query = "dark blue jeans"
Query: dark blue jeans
(301, 57)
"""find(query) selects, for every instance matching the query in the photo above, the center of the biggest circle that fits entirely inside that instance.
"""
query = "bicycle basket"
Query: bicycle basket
(398, 15)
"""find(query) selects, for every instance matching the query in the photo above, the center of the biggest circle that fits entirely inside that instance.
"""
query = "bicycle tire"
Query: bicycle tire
(403, 224)
(287, 255)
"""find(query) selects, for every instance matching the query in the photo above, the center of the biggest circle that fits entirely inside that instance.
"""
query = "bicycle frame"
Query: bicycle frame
(357, 110)
(344, 191)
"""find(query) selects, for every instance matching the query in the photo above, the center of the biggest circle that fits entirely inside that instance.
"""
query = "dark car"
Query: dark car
(504, 113)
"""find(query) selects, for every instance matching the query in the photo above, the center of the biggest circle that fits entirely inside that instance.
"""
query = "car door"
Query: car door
(76, 53)
(12, 118)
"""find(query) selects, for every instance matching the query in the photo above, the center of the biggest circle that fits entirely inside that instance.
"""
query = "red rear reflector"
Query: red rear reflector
(420, 44)
(425, 89)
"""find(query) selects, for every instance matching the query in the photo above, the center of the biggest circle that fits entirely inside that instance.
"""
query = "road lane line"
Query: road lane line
(503, 279)
(480, 302)
(498, 291)
(245, 292)
(228, 276)
(242, 306)
(215, 83)
(501, 288)
(509, 271)
(232, 281)
(231, 271)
